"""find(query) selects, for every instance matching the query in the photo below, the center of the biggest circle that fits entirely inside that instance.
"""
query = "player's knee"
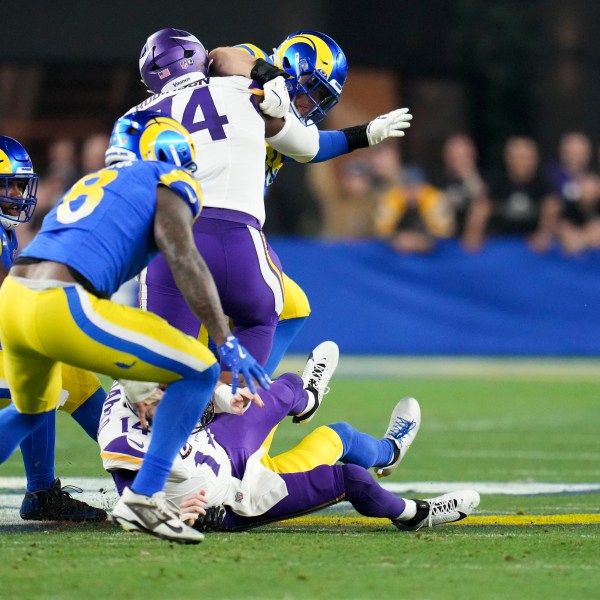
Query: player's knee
(346, 433)
(291, 380)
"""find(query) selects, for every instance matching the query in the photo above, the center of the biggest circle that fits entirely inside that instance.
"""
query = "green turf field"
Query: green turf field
(484, 426)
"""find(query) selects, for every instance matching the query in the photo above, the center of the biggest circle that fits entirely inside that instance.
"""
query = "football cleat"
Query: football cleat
(56, 504)
(448, 508)
(321, 364)
(402, 430)
(153, 515)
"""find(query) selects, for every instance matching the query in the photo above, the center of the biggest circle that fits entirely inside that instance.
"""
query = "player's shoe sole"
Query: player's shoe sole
(152, 515)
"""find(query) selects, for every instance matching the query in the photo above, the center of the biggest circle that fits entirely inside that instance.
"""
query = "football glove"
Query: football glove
(390, 125)
(277, 98)
(239, 361)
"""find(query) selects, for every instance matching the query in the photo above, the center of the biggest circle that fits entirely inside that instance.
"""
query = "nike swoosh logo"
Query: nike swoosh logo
(178, 529)
(130, 441)
(125, 365)
(242, 354)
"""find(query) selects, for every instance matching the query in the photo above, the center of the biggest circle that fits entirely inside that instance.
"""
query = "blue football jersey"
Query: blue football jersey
(103, 226)
(8, 249)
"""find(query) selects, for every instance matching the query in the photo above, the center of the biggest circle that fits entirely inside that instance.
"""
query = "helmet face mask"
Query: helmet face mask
(318, 70)
(18, 184)
(172, 58)
(151, 136)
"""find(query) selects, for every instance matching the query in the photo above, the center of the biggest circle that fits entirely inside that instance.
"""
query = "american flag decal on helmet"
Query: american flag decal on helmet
(164, 73)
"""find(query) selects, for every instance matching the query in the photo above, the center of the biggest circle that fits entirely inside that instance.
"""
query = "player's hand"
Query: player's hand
(390, 125)
(277, 98)
(239, 361)
(193, 506)
(234, 404)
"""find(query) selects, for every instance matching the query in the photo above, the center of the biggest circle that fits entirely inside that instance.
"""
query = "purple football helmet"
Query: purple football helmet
(172, 58)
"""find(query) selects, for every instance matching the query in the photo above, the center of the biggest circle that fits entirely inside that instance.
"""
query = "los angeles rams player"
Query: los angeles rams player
(103, 231)
(317, 69)
(82, 394)
(223, 116)
(220, 464)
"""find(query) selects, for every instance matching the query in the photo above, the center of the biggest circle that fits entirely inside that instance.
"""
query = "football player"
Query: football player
(220, 465)
(316, 69)
(82, 394)
(229, 130)
(102, 232)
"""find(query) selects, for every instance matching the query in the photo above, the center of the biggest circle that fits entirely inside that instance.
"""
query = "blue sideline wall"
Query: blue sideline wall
(505, 300)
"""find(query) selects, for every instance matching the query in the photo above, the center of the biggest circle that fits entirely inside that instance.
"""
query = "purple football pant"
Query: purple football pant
(247, 273)
(308, 491)
(242, 436)
(323, 486)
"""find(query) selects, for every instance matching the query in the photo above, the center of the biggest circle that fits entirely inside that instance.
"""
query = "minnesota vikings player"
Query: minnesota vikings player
(82, 394)
(316, 69)
(224, 118)
(103, 231)
(220, 463)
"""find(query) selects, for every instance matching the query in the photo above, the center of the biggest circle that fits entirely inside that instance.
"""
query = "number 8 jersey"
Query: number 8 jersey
(222, 116)
(103, 226)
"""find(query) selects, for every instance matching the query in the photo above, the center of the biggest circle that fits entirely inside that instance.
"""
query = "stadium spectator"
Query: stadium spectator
(92, 152)
(523, 200)
(574, 158)
(465, 190)
(413, 214)
(348, 203)
(579, 224)
(62, 162)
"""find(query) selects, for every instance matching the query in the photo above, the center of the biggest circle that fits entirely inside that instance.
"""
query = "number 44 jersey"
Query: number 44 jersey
(222, 115)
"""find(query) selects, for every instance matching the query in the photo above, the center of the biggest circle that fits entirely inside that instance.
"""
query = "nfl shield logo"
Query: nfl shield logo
(239, 497)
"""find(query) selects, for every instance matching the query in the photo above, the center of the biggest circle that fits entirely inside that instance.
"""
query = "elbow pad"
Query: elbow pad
(295, 140)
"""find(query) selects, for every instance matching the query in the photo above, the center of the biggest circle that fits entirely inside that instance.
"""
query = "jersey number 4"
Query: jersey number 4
(213, 121)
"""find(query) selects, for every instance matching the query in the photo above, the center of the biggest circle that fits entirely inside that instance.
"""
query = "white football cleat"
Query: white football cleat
(402, 430)
(152, 514)
(321, 364)
(448, 508)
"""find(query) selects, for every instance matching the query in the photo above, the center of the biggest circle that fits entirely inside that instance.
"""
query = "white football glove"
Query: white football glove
(277, 98)
(390, 125)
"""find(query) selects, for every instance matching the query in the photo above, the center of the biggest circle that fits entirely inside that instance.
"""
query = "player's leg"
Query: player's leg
(243, 436)
(343, 442)
(124, 343)
(326, 485)
(45, 498)
(296, 309)
(85, 397)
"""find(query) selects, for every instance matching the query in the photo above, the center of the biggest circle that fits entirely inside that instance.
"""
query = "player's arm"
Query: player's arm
(344, 141)
(290, 137)
(174, 238)
(234, 61)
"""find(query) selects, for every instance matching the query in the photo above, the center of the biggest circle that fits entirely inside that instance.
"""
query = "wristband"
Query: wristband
(262, 71)
(356, 137)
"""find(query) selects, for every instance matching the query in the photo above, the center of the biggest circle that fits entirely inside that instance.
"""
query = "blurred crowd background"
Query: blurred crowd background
(505, 95)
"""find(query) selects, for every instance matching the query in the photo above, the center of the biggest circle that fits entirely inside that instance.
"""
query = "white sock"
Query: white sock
(410, 510)
(310, 402)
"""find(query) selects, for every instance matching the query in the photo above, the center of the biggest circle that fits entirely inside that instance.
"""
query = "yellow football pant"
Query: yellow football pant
(69, 325)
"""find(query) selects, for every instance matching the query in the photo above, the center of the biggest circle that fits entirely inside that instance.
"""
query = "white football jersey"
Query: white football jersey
(229, 136)
(202, 463)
